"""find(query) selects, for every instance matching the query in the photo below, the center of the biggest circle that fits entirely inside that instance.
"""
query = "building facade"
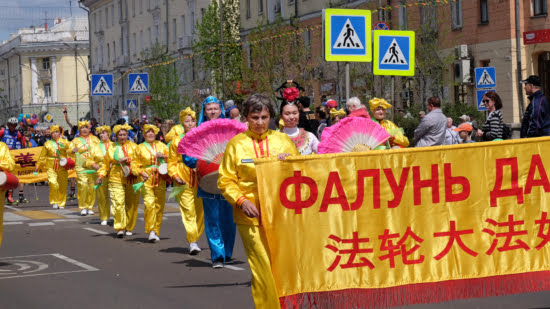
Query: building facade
(43, 69)
(123, 33)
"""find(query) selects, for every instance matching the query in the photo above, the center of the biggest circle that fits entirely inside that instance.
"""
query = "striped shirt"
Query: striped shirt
(492, 128)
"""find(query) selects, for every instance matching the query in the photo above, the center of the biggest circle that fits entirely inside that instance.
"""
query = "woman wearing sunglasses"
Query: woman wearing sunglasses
(493, 126)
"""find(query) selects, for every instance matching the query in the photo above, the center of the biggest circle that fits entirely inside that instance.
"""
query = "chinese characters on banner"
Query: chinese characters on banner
(406, 226)
(25, 162)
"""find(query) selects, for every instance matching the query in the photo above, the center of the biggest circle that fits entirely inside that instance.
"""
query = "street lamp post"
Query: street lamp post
(76, 80)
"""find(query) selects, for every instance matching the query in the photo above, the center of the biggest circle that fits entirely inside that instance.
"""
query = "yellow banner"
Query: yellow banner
(25, 163)
(391, 218)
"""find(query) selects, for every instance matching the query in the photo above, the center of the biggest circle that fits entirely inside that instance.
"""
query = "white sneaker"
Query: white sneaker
(153, 237)
(55, 206)
(61, 207)
(120, 234)
(129, 233)
(217, 264)
(104, 222)
(83, 212)
(90, 212)
(194, 248)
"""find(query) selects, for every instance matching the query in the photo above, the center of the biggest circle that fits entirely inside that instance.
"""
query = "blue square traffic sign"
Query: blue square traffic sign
(486, 77)
(347, 35)
(394, 52)
(102, 84)
(138, 83)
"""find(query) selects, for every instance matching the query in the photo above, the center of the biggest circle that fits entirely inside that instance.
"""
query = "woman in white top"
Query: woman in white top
(306, 142)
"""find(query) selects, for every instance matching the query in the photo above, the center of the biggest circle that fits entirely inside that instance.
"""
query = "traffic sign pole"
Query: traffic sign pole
(139, 108)
(101, 102)
(347, 81)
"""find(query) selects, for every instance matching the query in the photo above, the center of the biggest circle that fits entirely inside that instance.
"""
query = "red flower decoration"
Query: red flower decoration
(290, 94)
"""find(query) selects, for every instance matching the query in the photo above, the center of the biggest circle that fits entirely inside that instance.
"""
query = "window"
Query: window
(140, 40)
(45, 63)
(484, 11)
(539, 7)
(456, 14)
(112, 15)
(174, 30)
(247, 8)
(202, 13)
(192, 23)
(114, 51)
(150, 43)
(485, 63)
(133, 8)
(47, 90)
(108, 54)
(148, 4)
(183, 33)
(156, 34)
(291, 2)
(402, 16)
(95, 22)
(260, 7)
(428, 16)
(140, 6)
(135, 43)
(106, 18)
(307, 37)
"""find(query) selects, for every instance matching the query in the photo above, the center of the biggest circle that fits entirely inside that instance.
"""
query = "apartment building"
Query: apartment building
(123, 31)
(474, 33)
(43, 69)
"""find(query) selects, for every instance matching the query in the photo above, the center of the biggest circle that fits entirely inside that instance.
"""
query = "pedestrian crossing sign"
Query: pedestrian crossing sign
(138, 83)
(131, 104)
(485, 77)
(102, 84)
(393, 52)
(347, 35)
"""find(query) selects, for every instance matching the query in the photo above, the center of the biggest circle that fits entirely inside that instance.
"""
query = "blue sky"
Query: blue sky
(15, 14)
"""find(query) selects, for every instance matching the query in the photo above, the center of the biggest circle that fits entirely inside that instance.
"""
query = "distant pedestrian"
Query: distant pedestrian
(451, 137)
(431, 130)
(536, 119)
(492, 128)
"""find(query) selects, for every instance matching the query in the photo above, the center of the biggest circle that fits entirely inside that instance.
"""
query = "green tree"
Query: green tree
(164, 83)
(208, 46)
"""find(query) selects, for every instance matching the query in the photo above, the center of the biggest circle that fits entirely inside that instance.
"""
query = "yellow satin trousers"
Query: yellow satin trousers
(102, 195)
(192, 213)
(264, 290)
(2, 200)
(125, 204)
(57, 181)
(86, 193)
(154, 199)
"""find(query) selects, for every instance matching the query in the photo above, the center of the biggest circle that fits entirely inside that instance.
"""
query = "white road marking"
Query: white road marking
(12, 208)
(172, 214)
(13, 223)
(96, 231)
(41, 223)
(66, 220)
(210, 262)
(75, 262)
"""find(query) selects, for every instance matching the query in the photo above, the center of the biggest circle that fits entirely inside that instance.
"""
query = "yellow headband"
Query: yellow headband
(107, 129)
(148, 127)
(374, 103)
(119, 127)
(187, 112)
(341, 112)
(56, 128)
(85, 123)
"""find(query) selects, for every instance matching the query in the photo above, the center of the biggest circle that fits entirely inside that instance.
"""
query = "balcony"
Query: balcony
(45, 74)
(185, 42)
(122, 60)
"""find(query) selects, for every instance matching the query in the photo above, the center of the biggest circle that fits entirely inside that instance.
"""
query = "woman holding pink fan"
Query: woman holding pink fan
(238, 183)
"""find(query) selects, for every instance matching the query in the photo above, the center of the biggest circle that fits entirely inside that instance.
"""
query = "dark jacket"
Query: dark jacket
(536, 119)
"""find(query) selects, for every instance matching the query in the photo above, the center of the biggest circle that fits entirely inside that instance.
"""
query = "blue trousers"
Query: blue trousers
(219, 227)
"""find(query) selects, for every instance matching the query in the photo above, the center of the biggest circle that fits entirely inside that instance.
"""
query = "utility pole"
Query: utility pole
(76, 79)
(221, 49)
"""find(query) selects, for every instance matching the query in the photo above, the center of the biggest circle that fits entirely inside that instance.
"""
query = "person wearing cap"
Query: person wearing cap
(464, 131)
(378, 108)
(355, 108)
(80, 150)
(218, 217)
(185, 182)
(7, 164)
(536, 119)
(96, 161)
(53, 151)
(148, 157)
(464, 118)
(493, 126)
(117, 163)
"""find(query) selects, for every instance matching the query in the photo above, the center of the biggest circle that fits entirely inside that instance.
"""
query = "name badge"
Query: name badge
(244, 161)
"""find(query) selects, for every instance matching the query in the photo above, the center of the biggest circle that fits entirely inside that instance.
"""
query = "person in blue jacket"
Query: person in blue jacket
(536, 119)
(218, 213)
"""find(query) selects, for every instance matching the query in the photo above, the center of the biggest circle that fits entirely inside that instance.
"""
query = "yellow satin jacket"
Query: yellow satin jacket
(49, 156)
(399, 139)
(7, 163)
(113, 167)
(176, 131)
(84, 146)
(176, 165)
(145, 160)
(97, 155)
(237, 173)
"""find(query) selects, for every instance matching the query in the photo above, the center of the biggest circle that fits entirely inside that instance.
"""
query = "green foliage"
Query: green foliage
(164, 84)
(409, 120)
(209, 40)
(458, 109)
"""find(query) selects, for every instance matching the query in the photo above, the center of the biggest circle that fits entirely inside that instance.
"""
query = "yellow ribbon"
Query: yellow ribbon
(374, 103)
(334, 112)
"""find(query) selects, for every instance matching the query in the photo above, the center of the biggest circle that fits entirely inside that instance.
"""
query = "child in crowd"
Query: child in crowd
(465, 131)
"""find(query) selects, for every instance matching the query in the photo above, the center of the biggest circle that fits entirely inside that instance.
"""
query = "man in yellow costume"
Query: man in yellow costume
(148, 157)
(117, 164)
(81, 149)
(96, 161)
(185, 181)
(52, 152)
(7, 164)
(378, 108)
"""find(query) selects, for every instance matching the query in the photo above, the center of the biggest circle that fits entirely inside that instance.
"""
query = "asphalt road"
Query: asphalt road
(58, 259)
